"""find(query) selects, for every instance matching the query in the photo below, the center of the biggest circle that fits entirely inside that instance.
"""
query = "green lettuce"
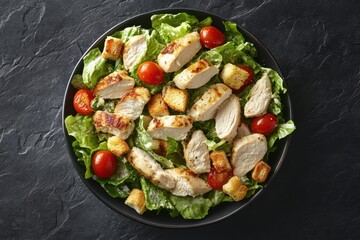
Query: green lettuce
(216, 197)
(86, 140)
(191, 207)
(77, 82)
(173, 20)
(155, 198)
(281, 131)
(275, 106)
(232, 34)
(251, 184)
(95, 67)
(168, 33)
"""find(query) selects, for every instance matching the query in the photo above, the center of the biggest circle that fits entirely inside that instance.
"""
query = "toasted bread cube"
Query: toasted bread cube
(235, 189)
(260, 172)
(157, 107)
(159, 146)
(112, 48)
(117, 146)
(220, 161)
(136, 200)
(175, 98)
(233, 76)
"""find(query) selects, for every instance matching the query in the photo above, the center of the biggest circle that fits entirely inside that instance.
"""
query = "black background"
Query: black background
(316, 194)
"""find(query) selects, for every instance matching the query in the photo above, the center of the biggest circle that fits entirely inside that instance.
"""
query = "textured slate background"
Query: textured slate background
(316, 195)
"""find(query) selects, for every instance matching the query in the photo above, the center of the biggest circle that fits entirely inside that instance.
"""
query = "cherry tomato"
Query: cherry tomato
(248, 80)
(150, 73)
(265, 124)
(103, 163)
(216, 179)
(211, 37)
(82, 101)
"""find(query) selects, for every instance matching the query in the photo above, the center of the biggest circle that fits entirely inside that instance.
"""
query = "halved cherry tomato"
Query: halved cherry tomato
(211, 37)
(216, 179)
(248, 80)
(103, 163)
(150, 73)
(265, 124)
(82, 101)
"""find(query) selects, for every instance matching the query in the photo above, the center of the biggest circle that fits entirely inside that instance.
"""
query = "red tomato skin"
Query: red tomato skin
(265, 124)
(211, 37)
(82, 101)
(216, 179)
(103, 163)
(249, 80)
(150, 73)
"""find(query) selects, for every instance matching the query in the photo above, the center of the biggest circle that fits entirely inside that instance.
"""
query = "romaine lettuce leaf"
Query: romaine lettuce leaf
(216, 197)
(77, 82)
(281, 131)
(120, 191)
(168, 33)
(275, 106)
(86, 140)
(155, 198)
(95, 67)
(191, 207)
(205, 22)
(218, 146)
(251, 184)
(173, 19)
(232, 34)
(129, 32)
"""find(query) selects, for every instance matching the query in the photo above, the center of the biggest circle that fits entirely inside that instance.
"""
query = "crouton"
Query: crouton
(159, 146)
(117, 146)
(175, 98)
(112, 48)
(235, 189)
(260, 172)
(157, 107)
(233, 76)
(220, 161)
(136, 200)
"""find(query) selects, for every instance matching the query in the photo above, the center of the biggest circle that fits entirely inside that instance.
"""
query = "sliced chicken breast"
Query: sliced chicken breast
(114, 85)
(134, 49)
(174, 126)
(179, 52)
(228, 118)
(113, 123)
(187, 183)
(196, 153)
(205, 108)
(247, 151)
(196, 75)
(150, 169)
(133, 102)
(242, 131)
(260, 97)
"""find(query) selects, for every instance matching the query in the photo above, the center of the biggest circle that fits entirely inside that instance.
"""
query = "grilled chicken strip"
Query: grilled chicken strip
(150, 169)
(179, 52)
(174, 126)
(196, 75)
(205, 108)
(134, 49)
(187, 183)
(114, 85)
(196, 153)
(114, 124)
(247, 151)
(133, 102)
(228, 118)
(260, 97)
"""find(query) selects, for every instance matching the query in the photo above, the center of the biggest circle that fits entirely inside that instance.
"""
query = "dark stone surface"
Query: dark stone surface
(316, 194)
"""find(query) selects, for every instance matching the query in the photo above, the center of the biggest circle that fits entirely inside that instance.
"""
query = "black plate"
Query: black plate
(163, 219)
